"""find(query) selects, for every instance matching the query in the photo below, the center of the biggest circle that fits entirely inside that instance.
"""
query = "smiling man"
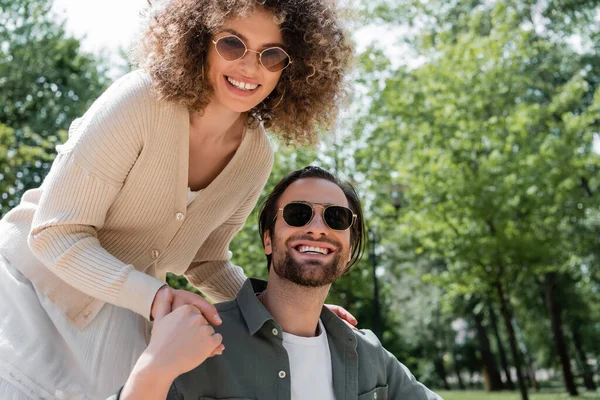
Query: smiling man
(280, 341)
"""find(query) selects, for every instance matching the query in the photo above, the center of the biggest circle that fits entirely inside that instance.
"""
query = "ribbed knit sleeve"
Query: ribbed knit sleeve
(84, 181)
(212, 272)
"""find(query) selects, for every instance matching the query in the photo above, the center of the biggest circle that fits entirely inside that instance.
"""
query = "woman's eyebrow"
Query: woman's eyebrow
(264, 46)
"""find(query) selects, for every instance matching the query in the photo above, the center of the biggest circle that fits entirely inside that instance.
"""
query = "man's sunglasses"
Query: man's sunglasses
(232, 48)
(298, 214)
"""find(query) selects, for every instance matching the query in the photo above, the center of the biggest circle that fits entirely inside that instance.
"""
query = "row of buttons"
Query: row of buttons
(155, 253)
(282, 373)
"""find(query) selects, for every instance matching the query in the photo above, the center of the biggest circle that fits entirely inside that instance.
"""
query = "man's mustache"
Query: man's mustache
(312, 239)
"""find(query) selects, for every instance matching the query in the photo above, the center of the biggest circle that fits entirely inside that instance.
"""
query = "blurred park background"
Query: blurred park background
(471, 129)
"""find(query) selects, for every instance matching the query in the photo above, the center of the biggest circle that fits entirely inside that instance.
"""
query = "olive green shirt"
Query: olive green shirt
(255, 364)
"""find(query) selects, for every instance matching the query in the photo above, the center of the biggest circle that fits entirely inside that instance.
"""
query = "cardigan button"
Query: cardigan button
(282, 374)
(154, 253)
(179, 216)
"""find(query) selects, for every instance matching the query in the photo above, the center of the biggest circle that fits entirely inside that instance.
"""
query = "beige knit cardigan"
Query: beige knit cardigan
(111, 218)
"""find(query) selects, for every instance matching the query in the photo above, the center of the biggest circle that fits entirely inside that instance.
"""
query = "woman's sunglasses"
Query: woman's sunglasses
(232, 48)
(298, 214)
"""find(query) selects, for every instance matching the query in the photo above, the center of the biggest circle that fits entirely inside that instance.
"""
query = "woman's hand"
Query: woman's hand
(343, 314)
(168, 299)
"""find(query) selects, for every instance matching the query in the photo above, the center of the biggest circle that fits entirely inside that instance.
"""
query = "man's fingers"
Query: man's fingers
(217, 340)
(218, 351)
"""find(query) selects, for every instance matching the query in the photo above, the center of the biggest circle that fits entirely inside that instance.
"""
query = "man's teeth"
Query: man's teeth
(242, 85)
(313, 249)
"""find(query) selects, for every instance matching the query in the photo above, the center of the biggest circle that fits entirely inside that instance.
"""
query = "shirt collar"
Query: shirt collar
(251, 307)
(256, 315)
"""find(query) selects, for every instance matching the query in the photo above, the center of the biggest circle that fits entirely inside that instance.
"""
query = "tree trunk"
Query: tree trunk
(588, 375)
(531, 372)
(554, 310)
(461, 385)
(512, 340)
(440, 370)
(530, 368)
(492, 379)
(509, 383)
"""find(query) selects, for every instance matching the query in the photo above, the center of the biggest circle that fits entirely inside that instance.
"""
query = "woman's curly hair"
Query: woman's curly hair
(174, 43)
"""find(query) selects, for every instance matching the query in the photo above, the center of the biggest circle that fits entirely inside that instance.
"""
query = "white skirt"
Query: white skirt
(43, 356)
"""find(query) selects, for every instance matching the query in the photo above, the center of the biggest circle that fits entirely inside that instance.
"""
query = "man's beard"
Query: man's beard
(287, 267)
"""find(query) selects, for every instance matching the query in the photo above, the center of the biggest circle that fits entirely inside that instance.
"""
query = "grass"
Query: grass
(480, 395)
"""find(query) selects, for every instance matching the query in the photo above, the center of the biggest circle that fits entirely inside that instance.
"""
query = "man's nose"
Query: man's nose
(317, 225)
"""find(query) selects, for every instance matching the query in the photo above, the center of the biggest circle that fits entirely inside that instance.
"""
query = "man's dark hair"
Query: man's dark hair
(269, 209)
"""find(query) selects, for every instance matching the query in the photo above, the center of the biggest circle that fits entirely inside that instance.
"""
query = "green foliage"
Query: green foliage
(470, 395)
(46, 81)
(490, 136)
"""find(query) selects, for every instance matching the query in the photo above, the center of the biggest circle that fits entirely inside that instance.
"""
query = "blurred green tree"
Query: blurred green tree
(491, 133)
(46, 81)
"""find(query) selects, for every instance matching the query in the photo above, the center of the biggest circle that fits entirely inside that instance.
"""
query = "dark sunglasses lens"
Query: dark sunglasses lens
(297, 214)
(274, 59)
(338, 218)
(231, 48)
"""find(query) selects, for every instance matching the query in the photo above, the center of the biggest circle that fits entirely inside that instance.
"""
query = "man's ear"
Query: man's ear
(267, 243)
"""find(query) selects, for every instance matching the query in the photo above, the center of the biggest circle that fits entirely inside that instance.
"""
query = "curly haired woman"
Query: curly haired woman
(156, 177)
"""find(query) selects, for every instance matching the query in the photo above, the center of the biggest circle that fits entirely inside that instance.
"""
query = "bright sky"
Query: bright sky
(107, 25)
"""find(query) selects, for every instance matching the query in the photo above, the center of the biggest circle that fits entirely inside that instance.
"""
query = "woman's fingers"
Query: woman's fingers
(162, 304)
(343, 314)
(209, 311)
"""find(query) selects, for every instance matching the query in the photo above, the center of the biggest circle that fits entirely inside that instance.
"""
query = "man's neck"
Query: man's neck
(295, 308)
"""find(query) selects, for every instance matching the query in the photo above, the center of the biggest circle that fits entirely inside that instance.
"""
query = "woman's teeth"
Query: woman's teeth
(242, 85)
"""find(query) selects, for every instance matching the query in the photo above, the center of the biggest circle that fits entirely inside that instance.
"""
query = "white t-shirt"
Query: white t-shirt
(192, 195)
(310, 366)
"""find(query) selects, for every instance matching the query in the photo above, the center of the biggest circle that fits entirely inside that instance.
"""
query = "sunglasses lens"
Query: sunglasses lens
(297, 214)
(338, 218)
(230, 48)
(274, 59)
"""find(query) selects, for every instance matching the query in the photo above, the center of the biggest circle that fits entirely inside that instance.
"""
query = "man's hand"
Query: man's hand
(168, 299)
(180, 341)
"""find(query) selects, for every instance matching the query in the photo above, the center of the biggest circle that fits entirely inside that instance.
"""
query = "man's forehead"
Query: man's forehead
(316, 191)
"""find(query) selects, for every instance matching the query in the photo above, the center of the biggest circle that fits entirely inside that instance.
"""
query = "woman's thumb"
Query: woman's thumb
(162, 303)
